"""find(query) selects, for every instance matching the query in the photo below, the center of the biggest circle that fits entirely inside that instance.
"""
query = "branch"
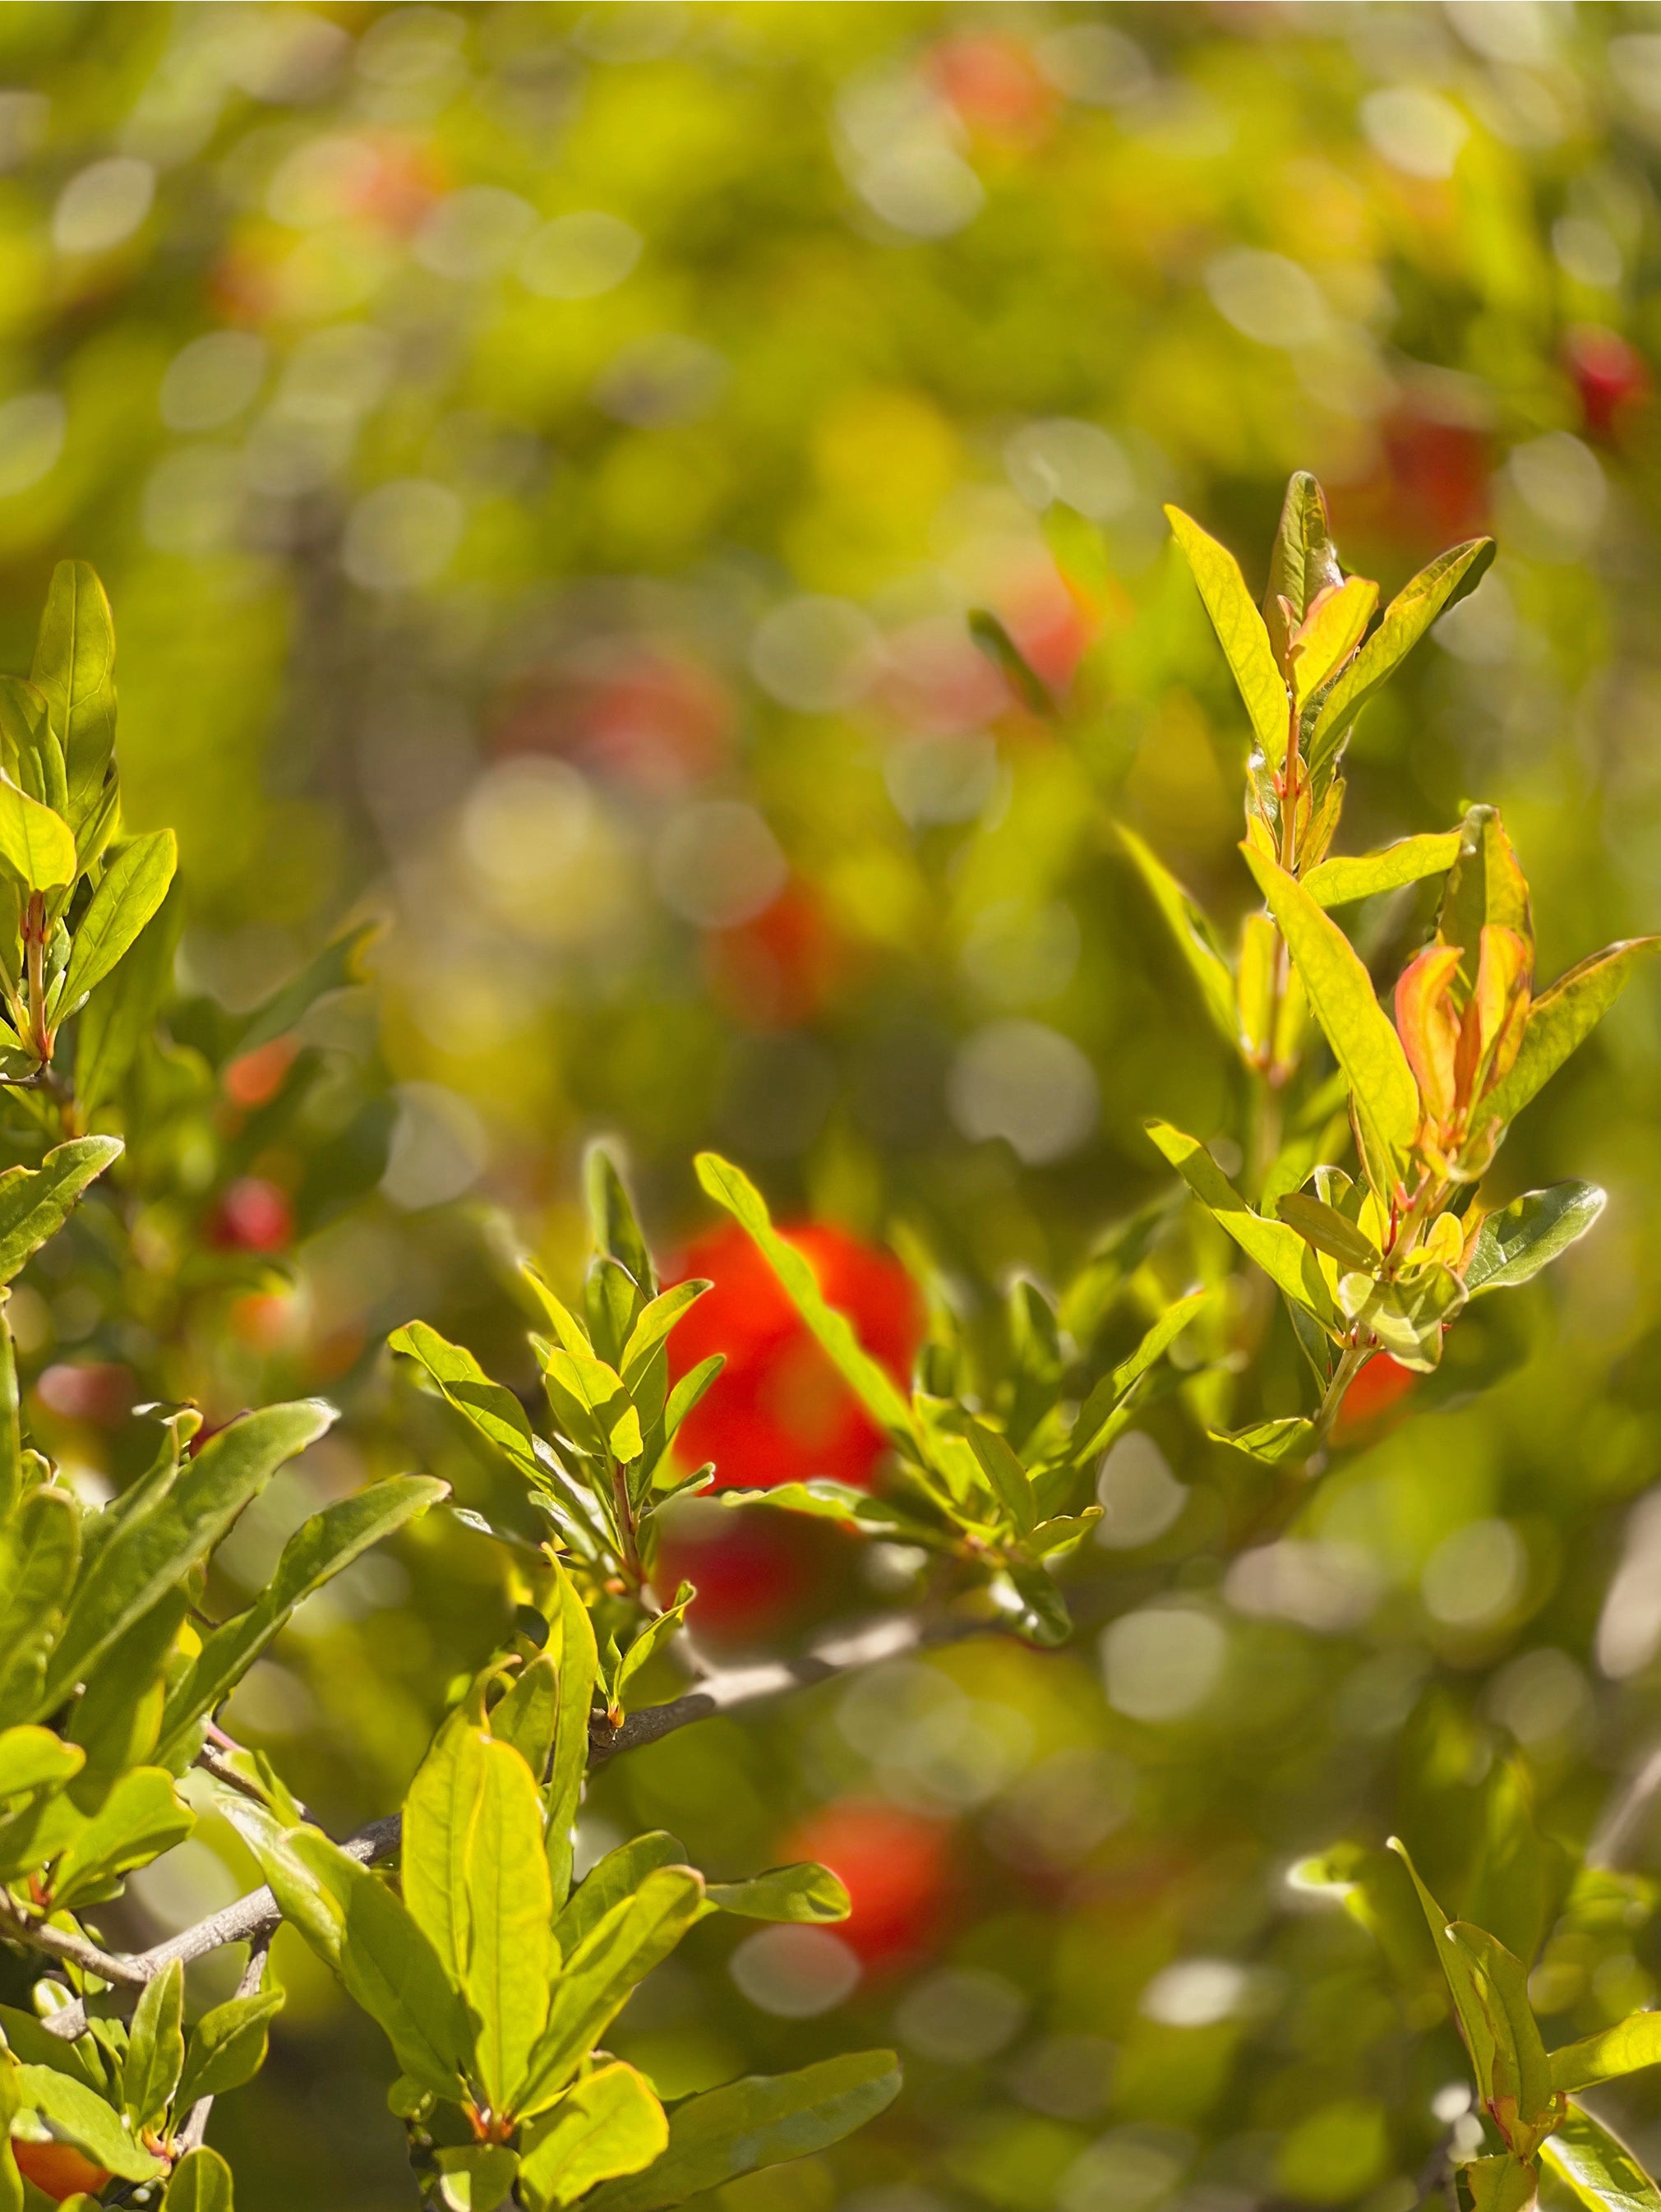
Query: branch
(1615, 1832)
(194, 2132)
(254, 1918)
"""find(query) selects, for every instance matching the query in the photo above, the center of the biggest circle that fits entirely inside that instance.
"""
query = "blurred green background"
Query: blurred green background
(541, 459)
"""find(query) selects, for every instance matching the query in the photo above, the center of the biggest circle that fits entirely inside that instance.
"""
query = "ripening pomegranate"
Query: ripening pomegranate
(58, 2170)
(895, 1866)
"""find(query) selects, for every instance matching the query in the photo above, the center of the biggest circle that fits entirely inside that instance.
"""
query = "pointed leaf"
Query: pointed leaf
(510, 1906)
(155, 2050)
(654, 1325)
(1010, 1483)
(337, 967)
(36, 1202)
(320, 1548)
(1330, 1231)
(1303, 562)
(1338, 882)
(597, 1979)
(616, 1230)
(1384, 1097)
(803, 1892)
(1560, 1020)
(1514, 1243)
(439, 1815)
(654, 1638)
(36, 844)
(1522, 2072)
(40, 1549)
(762, 2120)
(130, 890)
(1190, 932)
(1270, 1441)
(141, 1817)
(611, 2124)
(1011, 662)
(1240, 633)
(610, 1879)
(73, 667)
(151, 1553)
(493, 1410)
(1408, 615)
(870, 1381)
(1106, 1395)
(1471, 2009)
(227, 2046)
(572, 1648)
(1275, 1245)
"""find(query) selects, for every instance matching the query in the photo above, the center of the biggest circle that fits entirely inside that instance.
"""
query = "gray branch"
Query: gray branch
(254, 1918)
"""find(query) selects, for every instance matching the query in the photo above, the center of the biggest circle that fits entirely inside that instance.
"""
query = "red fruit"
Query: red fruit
(1438, 475)
(1382, 1384)
(779, 1411)
(777, 970)
(58, 2169)
(257, 1076)
(253, 1216)
(655, 724)
(1609, 375)
(88, 1391)
(994, 84)
(752, 1573)
(895, 1867)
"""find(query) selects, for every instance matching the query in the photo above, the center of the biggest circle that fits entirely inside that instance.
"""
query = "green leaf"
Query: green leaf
(493, 1410)
(1039, 1615)
(1010, 1483)
(74, 668)
(34, 1759)
(1270, 1441)
(1446, 581)
(1275, 1245)
(36, 1202)
(1240, 633)
(227, 2046)
(151, 1551)
(29, 752)
(1596, 2166)
(1522, 2072)
(141, 1818)
(1011, 662)
(616, 1230)
(1505, 2184)
(355, 1924)
(1515, 1243)
(1192, 934)
(870, 1381)
(1384, 1097)
(654, 1325)
(119, 1015)
(688, 1390)
(318, 1549)
(596, 1392)
(1338, 882)
(1475, 2016)
(806, 1891)
(609, 2124)
(1560, 1020)
(201, 2182)
(130, 890)
(1303, 562)
(1330, 1231)
(36, 844)
(40, 1549)
(510, 1906)
(73, 2113)
(658, 1633)
(11, 1431)
(528, 1717)
(478, 2178)
(597, 1979)
(762, 2120)
(612, 1878)
(570, 1645)
(1631, 2044)
(155, 2050)
(439, 1814)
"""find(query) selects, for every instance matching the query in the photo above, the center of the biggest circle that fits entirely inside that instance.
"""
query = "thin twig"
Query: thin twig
(254, 1918)
(1616, 1829)
(194, 2133)
(75, 1950)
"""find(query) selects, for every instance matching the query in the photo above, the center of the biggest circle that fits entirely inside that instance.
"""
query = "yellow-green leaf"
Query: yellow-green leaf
(1612, 2051)
(510, 1910)
(1190, 932)
(1563, 1018)
(1596, 2166)
(38, 844)
(1275, 1245)
(1384, 1097)
(1409, 861)
(1241, 632)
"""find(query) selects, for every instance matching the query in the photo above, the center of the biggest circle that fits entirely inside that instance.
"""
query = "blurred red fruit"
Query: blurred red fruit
(777, 970)
(1047, 622)
(256, 1077)
(88, 1391)
(1381, 1386)
(995, 85)
(1438, 475)
(896, 1869)
(253, 1216)
(779, 1411)
(1609, 375)
(752, 1573)
(655, 723)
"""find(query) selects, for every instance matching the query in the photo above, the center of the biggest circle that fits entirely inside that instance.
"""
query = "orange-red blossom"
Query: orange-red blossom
(1461, 1037)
